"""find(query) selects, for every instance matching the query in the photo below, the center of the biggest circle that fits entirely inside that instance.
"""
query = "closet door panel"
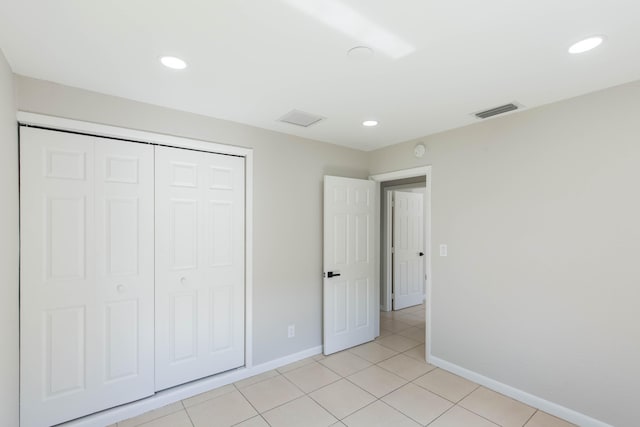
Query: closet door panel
(81, 345)
(223, 263)
(199, 265)
(56, 274)
(124, 269)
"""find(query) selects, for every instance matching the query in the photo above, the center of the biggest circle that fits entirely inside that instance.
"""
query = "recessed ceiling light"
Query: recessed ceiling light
(586, 44)
(370, 123)
(173, 62)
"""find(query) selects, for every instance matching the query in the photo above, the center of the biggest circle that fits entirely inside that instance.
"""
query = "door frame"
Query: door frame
(392, 176)
(136, 136)
(387, 286)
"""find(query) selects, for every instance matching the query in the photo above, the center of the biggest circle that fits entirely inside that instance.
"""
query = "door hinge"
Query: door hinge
(393, 296)
(393, 250)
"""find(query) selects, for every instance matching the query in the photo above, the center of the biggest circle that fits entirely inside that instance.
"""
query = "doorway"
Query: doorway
(402, 248)
(410, 178)
(352, 263)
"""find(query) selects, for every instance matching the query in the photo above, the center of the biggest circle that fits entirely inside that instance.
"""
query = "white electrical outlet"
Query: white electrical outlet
(443, 250)
(291, 331)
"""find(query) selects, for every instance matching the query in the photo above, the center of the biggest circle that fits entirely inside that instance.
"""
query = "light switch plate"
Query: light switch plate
(443, 250)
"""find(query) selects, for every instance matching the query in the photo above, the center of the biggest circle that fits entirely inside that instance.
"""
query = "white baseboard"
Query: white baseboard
(537, 402)
(175, 394)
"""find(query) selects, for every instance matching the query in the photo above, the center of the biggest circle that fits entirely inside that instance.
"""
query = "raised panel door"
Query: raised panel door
(86, 289)
(199, 265)
(349, 297)
(408, 236)
(124, 183)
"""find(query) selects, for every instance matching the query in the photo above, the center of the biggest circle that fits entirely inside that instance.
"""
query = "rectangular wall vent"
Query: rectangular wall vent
(300, 118)
(497, 110)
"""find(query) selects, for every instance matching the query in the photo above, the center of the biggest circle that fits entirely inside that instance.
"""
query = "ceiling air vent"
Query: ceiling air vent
(300, 118)
(497, 110)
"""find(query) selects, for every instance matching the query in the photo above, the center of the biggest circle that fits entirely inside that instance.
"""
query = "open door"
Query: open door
(349, 264)
(408, 250)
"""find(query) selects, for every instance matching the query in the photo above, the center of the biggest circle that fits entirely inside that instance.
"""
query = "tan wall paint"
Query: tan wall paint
(541, 214)
(8, 249)
(288, 175)
(539, 209)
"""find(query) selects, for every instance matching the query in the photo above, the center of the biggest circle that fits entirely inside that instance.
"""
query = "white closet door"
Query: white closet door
(199, 265)
(86, 290)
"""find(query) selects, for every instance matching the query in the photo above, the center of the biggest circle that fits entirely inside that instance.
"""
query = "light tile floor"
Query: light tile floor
(384, 383)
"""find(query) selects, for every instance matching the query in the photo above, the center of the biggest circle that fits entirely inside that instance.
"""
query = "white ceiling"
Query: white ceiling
(251, 61)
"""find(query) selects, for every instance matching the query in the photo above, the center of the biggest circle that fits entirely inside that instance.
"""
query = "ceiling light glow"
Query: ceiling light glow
(341, 17)
(370, 123)
(586, 45)
(173, 62)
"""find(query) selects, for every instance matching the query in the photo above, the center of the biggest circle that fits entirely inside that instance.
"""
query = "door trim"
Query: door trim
(114, 132)
(391, 176)
(388, 288)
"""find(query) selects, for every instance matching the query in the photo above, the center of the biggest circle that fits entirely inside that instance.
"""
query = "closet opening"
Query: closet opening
(136, 267)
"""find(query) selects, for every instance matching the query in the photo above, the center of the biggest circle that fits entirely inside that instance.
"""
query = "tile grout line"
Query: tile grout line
(342, 376)
(384, 395)
(187, 412)
(282, 404)
(438, 394)
(152, 419)
(412, 380)
(532, 415)
(441, 415)
(365, 406)
(400, 412)
(247, 399)
(334, 415)
(250, 418)
(356, 385)
(495, 422)
(257, 382)
(332, 382)
(474, 412)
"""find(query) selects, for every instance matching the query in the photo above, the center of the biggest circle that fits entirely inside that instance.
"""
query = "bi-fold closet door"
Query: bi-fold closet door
(86, 284)
(132, 271)
(199, 265)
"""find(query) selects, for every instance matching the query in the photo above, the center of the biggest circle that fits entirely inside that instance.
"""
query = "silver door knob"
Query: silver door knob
(183, 280)
(120, 289)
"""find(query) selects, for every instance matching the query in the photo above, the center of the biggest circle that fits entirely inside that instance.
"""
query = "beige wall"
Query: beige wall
(8, 249)
(541, 213)
(288, 175)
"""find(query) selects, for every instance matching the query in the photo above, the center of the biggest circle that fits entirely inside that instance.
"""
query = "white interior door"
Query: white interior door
(199, 265)
(86, 286)
(348, 291)
(408, 249)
